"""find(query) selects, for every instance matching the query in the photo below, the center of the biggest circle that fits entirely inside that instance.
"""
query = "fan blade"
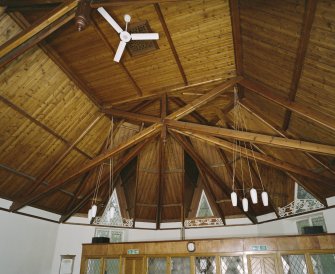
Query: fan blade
(109, 19)
(145, 36)
(119, 51)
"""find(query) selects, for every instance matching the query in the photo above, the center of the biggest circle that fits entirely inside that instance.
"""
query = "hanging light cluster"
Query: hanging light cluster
(92, 213)
(240, 125)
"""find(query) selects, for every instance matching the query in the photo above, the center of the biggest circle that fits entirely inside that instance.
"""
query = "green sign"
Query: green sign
(259, 248)
(133, 251)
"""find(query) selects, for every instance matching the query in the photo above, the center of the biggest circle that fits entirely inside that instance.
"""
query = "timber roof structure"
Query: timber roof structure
(171, 108)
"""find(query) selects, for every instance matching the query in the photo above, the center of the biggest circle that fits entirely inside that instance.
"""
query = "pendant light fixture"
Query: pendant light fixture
(240, 125)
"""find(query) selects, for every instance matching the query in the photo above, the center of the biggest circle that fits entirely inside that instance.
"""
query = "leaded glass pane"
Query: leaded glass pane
(323, 263)
(204, 209)
(112, 266)
(294, 264)
(93, 266)
(116, 236)
(232, 265)
(303, 194)
(180, 265)
(205, 265)
(157, 266)
(319, 221)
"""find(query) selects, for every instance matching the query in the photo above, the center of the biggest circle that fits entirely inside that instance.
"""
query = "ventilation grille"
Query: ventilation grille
(141, 47)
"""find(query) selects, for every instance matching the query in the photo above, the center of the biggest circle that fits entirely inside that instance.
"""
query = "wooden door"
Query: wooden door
(134, 265)
(263, 264)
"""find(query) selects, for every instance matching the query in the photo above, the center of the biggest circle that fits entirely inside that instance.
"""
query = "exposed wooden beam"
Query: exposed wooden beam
(41, 125)
(30, 178)
(117, 169)
(237, 40)
(310, 9)
(265, 159)
(64, 154)
(146, 133)
(248, 107)
(112, 50)
(253, 137)
(132, 116)
(208, 171)
(37, 32)
(173, 48)
(196, 115)
(54, 56)
(204, 99)
(116, 3)
(305, 111)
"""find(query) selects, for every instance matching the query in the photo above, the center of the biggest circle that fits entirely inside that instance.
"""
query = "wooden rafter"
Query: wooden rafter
(12, 5)
(112, 50)
(146, 133)
(237, 40)
(265, 159)
(37, 32)
(43, 126)
(54, 56)
(117, 169)
(161, 163)
(173, 48)
(132, 116)
(202, 166)
(305, 111)
(116, 3)
(252, 137)
(56, 163)
(248, 107)
(310, 9)
(196, 115)
(30, 178)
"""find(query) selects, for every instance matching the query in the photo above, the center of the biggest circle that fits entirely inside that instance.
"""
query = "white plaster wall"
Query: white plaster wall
(26, 244)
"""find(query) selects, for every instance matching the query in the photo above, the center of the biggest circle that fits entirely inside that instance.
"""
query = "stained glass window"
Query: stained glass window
(204, 209)
(232, 265)
(323, 263)
(112, 266)
(205, 265)
(180, 265)
(294, 264)
(93, 266)
(157, 266)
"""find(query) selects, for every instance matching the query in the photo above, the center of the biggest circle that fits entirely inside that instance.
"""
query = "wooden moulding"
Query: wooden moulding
(36, 32)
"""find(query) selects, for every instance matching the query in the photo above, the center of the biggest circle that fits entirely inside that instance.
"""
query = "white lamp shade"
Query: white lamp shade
(233, 197)
(94, 211)
(253, 194)
(111, 213)
(265, 198)
(89, 215)
(245, 204)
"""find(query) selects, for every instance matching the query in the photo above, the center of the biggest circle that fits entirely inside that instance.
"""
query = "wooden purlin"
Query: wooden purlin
(310, 9)
(37, 31)
(305, 111)
(117, 3)
(267, 160)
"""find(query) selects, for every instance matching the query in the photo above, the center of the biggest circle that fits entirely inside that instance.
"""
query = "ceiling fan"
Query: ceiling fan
(125, 36)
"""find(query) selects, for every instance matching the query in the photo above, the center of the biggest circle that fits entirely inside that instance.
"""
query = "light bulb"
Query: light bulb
(233, 197)
(265, 198)
(253, 194)
(245, 204)
(89, 215)
(94, 211)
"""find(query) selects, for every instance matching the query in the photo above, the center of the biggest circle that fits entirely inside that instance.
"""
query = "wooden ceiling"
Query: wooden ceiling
(171, 110)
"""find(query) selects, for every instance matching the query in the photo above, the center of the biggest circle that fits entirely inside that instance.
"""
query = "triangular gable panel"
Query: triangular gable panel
(204, 209)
